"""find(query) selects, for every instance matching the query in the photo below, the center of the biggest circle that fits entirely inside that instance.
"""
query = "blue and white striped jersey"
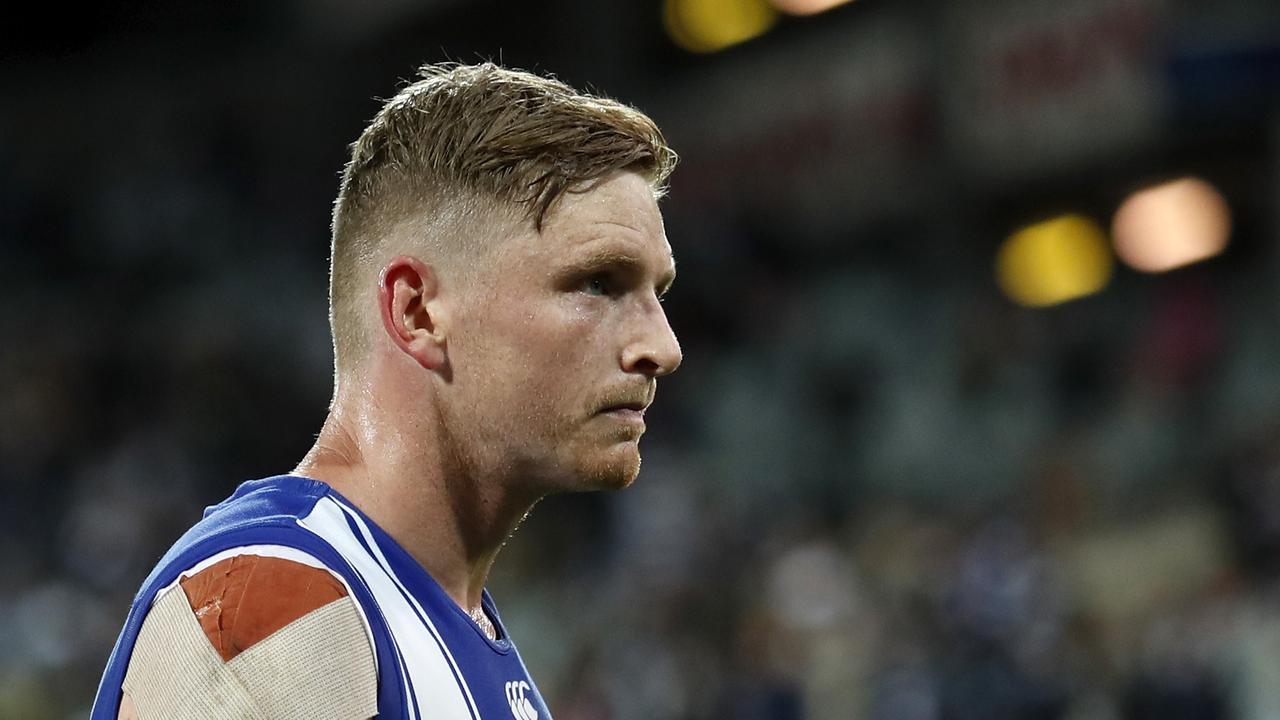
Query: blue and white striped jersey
(434, 662)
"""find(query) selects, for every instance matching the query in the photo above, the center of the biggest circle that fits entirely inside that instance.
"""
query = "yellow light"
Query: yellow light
(1171, 225)
(806, 7)
(1054, 261)
(706, 26)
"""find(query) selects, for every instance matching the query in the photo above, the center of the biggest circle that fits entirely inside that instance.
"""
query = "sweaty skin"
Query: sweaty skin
(486, 391)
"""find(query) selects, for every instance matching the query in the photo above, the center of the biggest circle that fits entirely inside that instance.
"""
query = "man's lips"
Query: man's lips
(631, 406)
(634, 399)
(630, 412)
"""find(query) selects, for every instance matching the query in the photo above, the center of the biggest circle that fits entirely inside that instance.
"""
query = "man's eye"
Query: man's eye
(597, 285)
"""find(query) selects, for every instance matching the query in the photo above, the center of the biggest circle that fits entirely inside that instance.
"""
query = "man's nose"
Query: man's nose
(655, 351)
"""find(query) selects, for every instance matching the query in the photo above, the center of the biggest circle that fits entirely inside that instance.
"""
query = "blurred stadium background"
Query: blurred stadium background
(980, 300)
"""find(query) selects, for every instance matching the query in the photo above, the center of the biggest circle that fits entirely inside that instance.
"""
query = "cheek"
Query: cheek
(559, 354)
(537, 357)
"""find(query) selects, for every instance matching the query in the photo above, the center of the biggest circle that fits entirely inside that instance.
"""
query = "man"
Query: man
(497, 267)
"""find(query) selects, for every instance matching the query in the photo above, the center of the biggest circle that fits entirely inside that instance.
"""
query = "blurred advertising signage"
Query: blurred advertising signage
(1030, 86)
(822, 130)
(1224, 63)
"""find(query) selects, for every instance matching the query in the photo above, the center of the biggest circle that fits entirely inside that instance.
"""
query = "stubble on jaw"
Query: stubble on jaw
(577, 454)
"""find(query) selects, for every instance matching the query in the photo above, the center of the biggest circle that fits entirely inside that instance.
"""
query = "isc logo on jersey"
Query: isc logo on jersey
(520, 705)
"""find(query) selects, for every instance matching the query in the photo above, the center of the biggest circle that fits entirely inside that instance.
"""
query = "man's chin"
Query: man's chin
(613, 470)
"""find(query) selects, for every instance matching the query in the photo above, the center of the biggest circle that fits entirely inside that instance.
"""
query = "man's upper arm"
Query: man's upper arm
(253, 637)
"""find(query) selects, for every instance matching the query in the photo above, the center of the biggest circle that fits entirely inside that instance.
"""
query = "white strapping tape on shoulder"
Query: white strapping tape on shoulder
(319, 667)
(283, 552)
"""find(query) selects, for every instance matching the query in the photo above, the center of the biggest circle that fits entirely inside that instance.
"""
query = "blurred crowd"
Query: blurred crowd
(862, 498)
(994, 516)
(877, 489)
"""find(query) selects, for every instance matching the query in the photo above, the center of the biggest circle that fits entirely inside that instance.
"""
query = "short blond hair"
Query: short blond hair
(468, 142)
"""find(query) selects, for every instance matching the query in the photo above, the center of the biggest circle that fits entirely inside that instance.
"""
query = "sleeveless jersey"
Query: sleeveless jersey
(433, 661)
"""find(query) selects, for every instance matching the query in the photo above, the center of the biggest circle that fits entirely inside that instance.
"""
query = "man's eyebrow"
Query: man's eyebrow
(607, 258)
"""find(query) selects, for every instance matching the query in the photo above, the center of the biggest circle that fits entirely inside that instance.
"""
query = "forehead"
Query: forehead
(618, 214)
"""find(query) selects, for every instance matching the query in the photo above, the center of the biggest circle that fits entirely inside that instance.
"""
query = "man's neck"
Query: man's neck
(452, 523)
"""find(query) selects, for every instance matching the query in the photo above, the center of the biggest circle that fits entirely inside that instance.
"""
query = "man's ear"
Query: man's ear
(408, 294)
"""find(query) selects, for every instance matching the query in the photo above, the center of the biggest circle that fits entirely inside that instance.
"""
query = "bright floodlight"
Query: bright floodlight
(705, 26)
(1054, 261)
(1171, 225)
(806, 7)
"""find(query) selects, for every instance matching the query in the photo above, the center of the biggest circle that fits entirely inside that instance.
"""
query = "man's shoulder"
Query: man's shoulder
(254, 635)
(281, 497)
(266, 511)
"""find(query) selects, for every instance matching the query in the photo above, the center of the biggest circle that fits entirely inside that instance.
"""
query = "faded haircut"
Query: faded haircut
(468, 145)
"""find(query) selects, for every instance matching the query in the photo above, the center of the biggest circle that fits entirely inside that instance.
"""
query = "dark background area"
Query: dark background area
(878, 488)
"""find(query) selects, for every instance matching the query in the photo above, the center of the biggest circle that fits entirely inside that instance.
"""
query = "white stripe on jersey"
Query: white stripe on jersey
(386, 566)
(431, 668)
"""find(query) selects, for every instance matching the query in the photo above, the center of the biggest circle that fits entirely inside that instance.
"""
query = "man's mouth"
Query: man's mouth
(631, 413)
(638, 407)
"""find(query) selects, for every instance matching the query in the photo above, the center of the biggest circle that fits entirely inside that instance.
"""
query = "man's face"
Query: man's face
(558, 340)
